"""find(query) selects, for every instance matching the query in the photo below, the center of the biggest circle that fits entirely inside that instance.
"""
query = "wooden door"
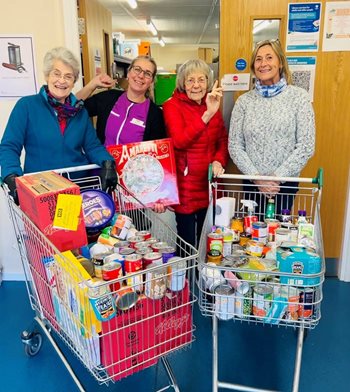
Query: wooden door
(331, 105)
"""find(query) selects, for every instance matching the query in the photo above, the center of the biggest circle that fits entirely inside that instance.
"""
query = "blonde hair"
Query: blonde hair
(148, 58)
(190, 67)
(277, 48)
(64, 55)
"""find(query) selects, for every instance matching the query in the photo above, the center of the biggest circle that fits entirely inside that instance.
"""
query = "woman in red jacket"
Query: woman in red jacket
(194, 122)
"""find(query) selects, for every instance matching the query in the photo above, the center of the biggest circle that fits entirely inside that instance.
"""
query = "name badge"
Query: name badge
(135, 121)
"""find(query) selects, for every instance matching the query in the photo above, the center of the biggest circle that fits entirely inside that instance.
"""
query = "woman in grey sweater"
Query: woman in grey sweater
(272, 129)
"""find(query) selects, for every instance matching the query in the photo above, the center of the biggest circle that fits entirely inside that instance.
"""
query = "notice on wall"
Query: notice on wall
(336, 32)
(17, 68)
(303, 28)
(97, 62)
(303, 71)
(235, 82)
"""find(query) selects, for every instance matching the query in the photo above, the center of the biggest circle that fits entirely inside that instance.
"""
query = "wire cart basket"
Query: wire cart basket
(114, 327)
(273, 280)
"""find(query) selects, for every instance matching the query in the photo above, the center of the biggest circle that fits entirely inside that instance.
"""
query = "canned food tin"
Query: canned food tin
(144, 251)
(293, 233)
(281, 235)
(243, 239)
(237, 224)
(115, 257)
(98, 263)
(141, 244)
(133, 263)
(157, 246)
(215, 241)
(211, 277)
(134, 240)
(120, 244)
(110, 271)
(176, 277)
(167, 253)
(262, 299)
(144, 233)
(272, 226)
(155, 285)
(121, 226)
(243, 300)
(259, 230)
(151, 240)
(101, 300)
(254, 248)
(306, 298)
(224, 302)
(126, 251)
(154, 258)
(214, 256)
(126, 298)
(248, 222)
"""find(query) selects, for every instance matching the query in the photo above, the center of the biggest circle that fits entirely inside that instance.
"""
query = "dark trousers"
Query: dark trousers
(283, 200)
(189, 226)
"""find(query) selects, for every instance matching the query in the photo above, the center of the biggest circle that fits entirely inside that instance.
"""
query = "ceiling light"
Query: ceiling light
(161, 42)
(151, 27)
(132, 4)
(261, 25)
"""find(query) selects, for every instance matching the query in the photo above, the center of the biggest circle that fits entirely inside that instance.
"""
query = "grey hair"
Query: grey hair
(190, 67)
(64, 55)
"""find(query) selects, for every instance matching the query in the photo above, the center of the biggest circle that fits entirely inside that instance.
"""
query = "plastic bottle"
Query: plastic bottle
(250, 218)
(270, 209)
(302, 216)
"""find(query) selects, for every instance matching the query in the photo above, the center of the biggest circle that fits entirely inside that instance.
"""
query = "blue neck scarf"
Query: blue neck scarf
(271, 91)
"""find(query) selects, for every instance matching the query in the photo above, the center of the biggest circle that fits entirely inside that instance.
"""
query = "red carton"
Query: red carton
(148, 170)
(128, 341)
(173, 325)
(37, 195)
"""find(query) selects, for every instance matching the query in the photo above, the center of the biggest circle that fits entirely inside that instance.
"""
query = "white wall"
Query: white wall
(43, 20)
(168, 56)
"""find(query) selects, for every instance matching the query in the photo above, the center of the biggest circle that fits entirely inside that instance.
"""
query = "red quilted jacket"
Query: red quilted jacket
(196, 145)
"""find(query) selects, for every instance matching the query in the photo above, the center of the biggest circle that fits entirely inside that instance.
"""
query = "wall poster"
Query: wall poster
(303, 27)
(303, 71)
(17, 68)
(336, 32)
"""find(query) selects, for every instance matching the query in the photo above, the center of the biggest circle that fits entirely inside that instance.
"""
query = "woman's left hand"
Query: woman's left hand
(269, 188)
(217, 169)
(159, 208)
(213, 99)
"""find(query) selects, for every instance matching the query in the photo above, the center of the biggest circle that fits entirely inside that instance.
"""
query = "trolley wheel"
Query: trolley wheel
(32, 343)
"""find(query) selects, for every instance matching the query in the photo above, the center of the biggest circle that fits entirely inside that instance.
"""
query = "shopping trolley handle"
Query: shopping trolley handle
(71, 169)
(315, 180)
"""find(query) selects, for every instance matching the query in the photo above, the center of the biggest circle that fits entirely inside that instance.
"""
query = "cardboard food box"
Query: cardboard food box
(300, 262)
(173, 324)
(128, 341)
(148, 171)
(37, 195)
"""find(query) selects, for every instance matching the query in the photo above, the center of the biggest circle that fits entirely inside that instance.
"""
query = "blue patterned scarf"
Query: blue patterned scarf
(270, 91)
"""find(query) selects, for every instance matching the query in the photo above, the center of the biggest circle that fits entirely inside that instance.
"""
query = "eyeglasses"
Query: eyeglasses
(268, 42)
(58, 75)
(138, 70)
(190, 82)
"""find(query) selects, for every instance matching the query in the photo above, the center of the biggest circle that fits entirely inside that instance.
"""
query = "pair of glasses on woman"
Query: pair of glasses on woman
(56, 74)
(138, 71)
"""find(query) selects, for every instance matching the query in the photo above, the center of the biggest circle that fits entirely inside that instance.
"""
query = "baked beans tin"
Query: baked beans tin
(157, 246)
(262, 299)
(237, 224)
(101, 300)
(167, 253)
(176, 277)
(144, 233)
(224, 302)
(134, 240)
(215, 241)
(155, 284)
(111, 271)
(214, 256)
(154, 258)
(133, 263)
(126, 298)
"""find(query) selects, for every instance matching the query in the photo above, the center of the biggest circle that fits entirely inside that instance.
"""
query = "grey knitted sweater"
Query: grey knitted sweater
(272, 136)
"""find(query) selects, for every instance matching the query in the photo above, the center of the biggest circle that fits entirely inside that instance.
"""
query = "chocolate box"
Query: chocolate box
(37, 195)
(148, 171)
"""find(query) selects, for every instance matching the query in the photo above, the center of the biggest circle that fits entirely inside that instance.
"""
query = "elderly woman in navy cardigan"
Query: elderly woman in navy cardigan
(53, 127)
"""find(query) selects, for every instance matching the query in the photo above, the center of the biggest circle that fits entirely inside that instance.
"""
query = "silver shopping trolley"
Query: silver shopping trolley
(115, 326)
(245, 278)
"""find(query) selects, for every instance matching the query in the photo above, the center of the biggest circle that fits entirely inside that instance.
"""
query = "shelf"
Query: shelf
(122, 60)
